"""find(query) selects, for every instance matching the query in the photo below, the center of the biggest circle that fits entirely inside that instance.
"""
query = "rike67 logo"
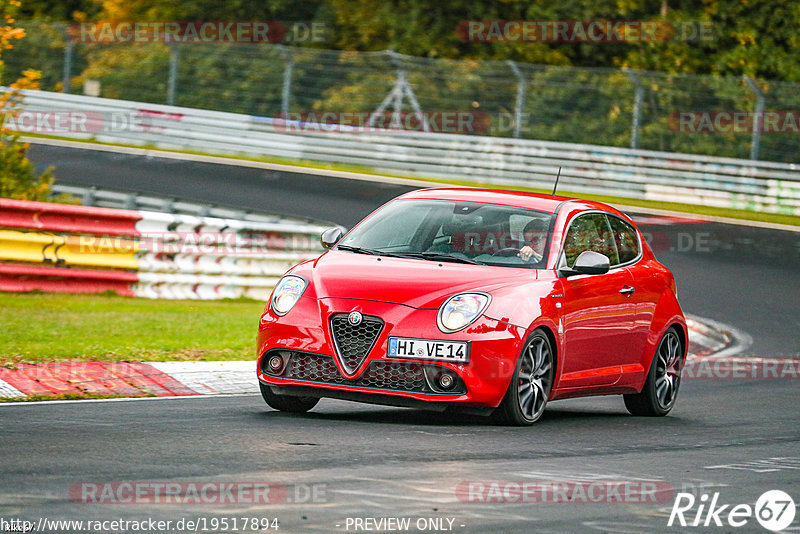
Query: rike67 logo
(774, 511)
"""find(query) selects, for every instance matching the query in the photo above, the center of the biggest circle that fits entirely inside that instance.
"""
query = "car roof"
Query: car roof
(522, 199)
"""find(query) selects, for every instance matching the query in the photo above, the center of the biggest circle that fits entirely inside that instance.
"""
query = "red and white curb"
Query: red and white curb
(707, 339)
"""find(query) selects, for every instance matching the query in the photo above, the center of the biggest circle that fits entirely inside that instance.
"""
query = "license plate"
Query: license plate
(428, 349)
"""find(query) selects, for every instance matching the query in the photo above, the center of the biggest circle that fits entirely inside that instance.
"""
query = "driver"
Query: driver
(535, 236)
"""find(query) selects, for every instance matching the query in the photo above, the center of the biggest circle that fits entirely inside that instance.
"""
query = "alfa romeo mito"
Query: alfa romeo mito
(495, 302)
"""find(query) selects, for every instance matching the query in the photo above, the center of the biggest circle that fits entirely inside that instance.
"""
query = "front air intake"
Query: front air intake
(353, 342)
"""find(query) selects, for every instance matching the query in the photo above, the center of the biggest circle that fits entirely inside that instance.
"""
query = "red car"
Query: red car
(492, 301)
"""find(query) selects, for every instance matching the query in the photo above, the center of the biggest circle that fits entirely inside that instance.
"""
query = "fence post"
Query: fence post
(68, 50)
(521, 88)
(172, 84)
(637, 107)
(755, 142)
(286, 93)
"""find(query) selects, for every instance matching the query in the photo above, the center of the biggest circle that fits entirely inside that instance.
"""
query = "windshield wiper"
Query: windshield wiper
(359, 250)
(432, 256)
(441, 256)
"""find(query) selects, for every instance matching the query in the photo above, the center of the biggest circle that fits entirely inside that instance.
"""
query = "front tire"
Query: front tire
(530, 387)
(287, 403)
(661, 387)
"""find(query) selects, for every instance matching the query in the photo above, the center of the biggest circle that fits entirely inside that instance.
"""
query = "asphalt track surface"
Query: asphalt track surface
(735, 437)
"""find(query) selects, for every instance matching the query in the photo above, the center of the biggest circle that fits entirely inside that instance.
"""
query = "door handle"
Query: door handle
(627, 290)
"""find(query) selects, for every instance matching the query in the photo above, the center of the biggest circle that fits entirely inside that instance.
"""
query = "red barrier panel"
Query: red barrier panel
(67, 218)
(121, 378)
(16, 277)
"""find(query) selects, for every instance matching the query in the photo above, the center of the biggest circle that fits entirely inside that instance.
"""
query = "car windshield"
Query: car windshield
(461, 232)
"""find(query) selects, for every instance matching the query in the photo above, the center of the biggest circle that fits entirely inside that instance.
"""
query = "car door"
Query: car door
(646, 281)
(598, 313)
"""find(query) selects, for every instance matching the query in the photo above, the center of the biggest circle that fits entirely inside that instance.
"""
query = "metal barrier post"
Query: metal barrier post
(286, 93)
(521, 88)
(637, 107)
(755, 143)
(68, 50)
(172, 84)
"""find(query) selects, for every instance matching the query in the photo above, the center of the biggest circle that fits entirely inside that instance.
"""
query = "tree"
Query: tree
(18, 179)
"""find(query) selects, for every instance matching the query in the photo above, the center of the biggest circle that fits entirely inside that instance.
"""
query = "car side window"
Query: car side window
(590, 232)
(626, 238)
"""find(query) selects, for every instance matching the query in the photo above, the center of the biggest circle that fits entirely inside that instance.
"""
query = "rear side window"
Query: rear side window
(626, 238)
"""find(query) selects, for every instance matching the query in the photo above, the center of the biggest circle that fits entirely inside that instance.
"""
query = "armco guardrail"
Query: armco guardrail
(66, 248)
(92, 196)
(687, 178)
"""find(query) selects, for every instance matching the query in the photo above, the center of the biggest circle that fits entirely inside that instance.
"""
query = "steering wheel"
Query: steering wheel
(508, 251)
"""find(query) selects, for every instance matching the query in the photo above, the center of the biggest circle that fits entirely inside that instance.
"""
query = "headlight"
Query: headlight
(286, 293)
(460, 311)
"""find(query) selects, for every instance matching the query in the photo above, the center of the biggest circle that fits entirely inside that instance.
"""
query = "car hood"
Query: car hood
(411, 282)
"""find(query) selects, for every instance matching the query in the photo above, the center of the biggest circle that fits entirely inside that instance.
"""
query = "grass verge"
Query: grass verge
(71, 396)
(40, 327)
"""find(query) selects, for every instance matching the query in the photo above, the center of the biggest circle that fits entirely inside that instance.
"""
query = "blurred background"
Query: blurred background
(338, 55)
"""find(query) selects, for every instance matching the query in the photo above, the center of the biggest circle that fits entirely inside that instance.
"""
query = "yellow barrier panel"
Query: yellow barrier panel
(113, 252)
(25, 246)
(87, 251)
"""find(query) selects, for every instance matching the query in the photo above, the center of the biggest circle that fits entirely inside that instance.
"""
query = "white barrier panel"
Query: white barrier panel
(190, 257)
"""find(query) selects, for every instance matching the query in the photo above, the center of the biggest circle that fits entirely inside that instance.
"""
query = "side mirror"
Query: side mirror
(330, 237)
(589, 262)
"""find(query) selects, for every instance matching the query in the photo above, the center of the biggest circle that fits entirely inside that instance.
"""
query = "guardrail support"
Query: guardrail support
(522, 87)
(88, 197)
(637, 107)
(755, 142)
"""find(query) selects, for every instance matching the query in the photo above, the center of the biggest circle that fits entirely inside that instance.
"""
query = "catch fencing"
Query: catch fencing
(608, 106)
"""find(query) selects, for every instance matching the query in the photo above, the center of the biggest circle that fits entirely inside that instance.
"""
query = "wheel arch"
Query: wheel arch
(682, 335)
(548, 332)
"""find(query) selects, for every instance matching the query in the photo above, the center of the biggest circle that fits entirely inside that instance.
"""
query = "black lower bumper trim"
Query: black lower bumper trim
(375, 398)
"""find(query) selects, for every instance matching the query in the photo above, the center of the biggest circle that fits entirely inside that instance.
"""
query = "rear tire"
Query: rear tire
(530, 387)
(661, 387)
(287, 403)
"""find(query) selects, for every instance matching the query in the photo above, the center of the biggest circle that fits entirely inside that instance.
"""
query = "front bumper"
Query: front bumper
(303, 338)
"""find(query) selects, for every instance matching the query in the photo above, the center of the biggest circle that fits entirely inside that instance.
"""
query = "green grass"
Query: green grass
(64, 327)
(744, 214)
(70, 396)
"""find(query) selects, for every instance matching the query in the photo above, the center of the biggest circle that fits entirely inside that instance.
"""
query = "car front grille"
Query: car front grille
(412, 377)
(353, 342)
